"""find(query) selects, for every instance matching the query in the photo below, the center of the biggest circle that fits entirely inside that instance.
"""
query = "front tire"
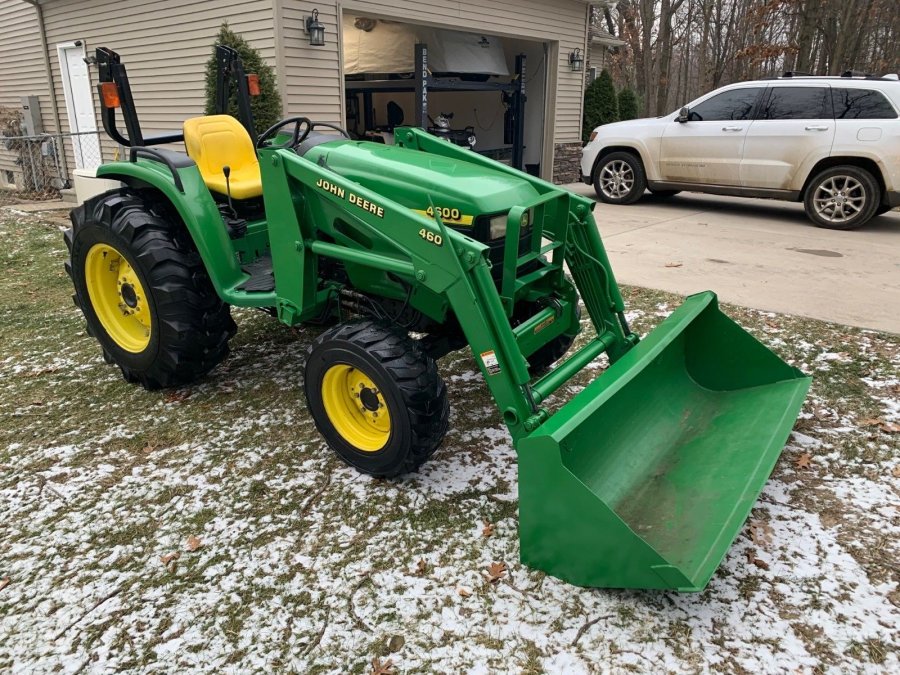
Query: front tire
(376, 397)
(619, 178)
(842, 198)
(143, 290)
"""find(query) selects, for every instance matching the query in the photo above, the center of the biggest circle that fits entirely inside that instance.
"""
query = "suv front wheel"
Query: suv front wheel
(842, 198)
(619, 178)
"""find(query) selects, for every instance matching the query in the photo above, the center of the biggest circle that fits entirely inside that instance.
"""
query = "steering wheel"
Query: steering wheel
(313, 126)
(296, 137)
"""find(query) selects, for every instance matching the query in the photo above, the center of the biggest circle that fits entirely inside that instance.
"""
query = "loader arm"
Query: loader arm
(644, 478)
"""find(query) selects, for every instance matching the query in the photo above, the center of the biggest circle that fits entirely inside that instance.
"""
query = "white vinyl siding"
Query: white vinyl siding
(165, 46)
(21, 68)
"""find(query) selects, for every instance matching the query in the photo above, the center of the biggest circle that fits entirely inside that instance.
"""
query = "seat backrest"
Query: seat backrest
(215, 141)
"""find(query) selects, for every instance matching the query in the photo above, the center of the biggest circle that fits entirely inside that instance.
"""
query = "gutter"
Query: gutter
(54, 104)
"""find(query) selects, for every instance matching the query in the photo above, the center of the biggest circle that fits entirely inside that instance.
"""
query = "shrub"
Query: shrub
(628, 104)
(600, 104)
(267, 106)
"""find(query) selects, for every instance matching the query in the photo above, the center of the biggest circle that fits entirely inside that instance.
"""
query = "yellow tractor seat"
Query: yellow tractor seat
(216, 141)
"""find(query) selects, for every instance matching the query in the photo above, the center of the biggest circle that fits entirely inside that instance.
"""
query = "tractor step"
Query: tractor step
(261, 280)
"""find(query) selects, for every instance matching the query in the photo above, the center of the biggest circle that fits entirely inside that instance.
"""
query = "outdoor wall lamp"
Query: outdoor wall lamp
(576, 61)
(315, 29)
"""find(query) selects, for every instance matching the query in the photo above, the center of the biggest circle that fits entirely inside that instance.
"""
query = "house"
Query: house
(46, 48)
(602, 42)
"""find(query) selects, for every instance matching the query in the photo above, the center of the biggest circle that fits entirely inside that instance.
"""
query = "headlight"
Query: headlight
(593, 136)
(497, 227)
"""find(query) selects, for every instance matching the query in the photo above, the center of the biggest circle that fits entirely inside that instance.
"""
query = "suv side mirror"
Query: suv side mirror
(683, 115)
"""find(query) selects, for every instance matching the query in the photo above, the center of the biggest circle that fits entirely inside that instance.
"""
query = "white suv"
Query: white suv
(831, 142)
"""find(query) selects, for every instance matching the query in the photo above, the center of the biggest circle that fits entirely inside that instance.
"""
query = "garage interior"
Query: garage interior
(471, 86)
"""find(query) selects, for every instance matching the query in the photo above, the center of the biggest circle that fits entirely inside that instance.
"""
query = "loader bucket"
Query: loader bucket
(645, 477)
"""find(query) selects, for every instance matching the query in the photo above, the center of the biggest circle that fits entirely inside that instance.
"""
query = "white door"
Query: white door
(79, 105)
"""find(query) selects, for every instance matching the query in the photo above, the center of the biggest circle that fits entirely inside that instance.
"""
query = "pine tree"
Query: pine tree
(600, 104)
(267, 106)
(628, 104)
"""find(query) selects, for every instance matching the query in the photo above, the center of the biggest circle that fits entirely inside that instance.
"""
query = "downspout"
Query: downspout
(54, 105)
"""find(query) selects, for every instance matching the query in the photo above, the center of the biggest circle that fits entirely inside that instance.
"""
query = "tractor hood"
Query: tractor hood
(462, 191)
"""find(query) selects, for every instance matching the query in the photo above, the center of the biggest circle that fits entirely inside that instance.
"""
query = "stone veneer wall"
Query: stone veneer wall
(567, 163)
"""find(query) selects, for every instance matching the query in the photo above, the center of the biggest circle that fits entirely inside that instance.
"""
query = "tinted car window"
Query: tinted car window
(797, 103)
(861, 104)
(736, 104)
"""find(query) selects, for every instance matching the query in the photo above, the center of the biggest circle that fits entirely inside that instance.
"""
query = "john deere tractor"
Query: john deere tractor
(405, 253)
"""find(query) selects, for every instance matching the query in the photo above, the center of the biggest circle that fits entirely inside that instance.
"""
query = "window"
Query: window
(797, 103)
(861, 104)
(10, 179)
(592, 75)
(736, 104)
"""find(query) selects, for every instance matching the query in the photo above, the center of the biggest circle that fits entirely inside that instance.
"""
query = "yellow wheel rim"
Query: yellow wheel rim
(118, 298)
(356, 408)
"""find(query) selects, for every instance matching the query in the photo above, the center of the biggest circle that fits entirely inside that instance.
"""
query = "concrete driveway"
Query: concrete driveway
(757, 253)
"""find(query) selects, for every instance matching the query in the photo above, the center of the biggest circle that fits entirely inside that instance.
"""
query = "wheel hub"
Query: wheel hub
(129, 297)
(369, 399)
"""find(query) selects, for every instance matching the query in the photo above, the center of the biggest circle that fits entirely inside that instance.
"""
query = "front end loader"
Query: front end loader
(405, 253)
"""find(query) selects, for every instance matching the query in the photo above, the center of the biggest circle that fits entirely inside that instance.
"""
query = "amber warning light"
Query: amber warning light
(253, 84)
(110, 94)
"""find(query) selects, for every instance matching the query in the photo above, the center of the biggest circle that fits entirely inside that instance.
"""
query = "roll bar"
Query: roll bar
(115, 92)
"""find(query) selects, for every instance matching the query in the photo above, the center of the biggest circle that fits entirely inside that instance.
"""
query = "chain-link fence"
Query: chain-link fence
(38, 167)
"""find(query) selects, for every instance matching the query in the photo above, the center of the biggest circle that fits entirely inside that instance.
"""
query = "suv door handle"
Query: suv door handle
(732, 128)
(817, 128)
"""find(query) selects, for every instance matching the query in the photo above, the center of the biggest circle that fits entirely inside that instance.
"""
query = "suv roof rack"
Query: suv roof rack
(847, 74)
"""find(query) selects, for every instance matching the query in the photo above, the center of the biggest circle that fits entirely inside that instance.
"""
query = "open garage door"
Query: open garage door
(469, 96)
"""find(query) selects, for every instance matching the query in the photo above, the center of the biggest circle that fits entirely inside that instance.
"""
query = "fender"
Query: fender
(198, 212)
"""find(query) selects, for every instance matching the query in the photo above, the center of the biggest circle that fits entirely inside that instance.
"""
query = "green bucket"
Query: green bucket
(644, 479)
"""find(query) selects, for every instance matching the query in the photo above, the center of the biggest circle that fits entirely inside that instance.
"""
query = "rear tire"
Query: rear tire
(143, 290)
(842, 198)
(376, 397)
(619, 178)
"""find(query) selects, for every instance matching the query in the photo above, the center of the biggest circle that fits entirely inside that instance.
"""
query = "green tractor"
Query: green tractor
(405, 253)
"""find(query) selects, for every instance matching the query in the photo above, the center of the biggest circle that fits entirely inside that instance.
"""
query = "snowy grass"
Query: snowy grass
(210, 528)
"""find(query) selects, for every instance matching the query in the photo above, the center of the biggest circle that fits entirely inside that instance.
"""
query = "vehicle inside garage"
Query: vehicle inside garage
(478, 91)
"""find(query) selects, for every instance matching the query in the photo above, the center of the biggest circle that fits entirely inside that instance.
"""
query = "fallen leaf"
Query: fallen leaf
(761, 564)
(176, 396)
(463, 591)
(871, 422)
(169, 560)
(891, 428)
(760, 532)
(382, 668)
(395, 644)
(488, 529)
(421, 567)
(896, 471)
(495, 572)
(674, 264)
(37, 403)
(147, 449)
(804, 461)
(193, 543)
(4, 582)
